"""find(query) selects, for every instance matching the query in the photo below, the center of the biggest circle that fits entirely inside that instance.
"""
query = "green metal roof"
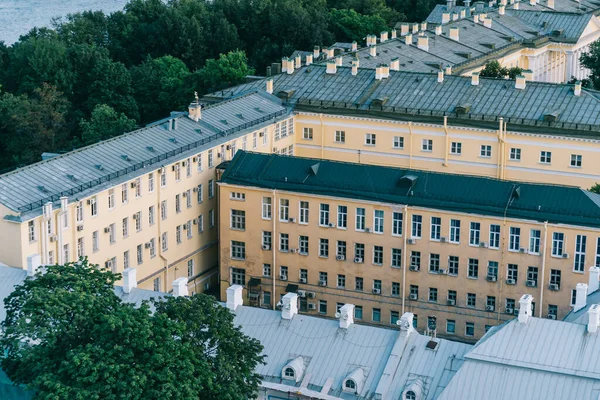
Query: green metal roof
(459, 193)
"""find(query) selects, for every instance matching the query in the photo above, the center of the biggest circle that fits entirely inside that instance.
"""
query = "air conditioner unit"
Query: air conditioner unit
(443, 239)
(261, 134)
(376, 291)
(511, 282)
(79, 228)
(89, 202)
(483, 244)
(442, 271)
(516, 311)
(294, 250)
(133, 185)
(107, 229)
(135, 216)
(331, 225)
(301, 293)
(414, 268)
(173, 168)
(451, 302)
(147, 245)
(292, 220)
(312, 306)
(554, 286)
(565, 255)
(322, 283)
(184, 194)
(311, 295)
(283, 277)
(368, 230)
(492, 278)
(185, 227)
(551, 316)
(509, 310)
(340, 257)
(489, 308)
(228, 147)
(196, 189)
(266, 247)
(411, 241)
(195, 221)
(358, 260)
(530, 283)
(522, 250)
(412, 296)
(53, 238)
(302, 280)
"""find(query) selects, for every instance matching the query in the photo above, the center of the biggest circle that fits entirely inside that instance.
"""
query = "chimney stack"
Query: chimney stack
(423, 42)
(408, 39)
(34, 262)
(354, 46)
(331, 67)
(520, 82)
(403, 29)
(533, 2)
(316, 52)
(502, 10)
(577, 92)
(180, 287)
(454, 16)
(476, 18)
(487, 22)
(269, 85)
(385, 71)
(383, 37)
(298, 61)
(309, 59)
(378, 72)
(454, 33)
(195, 109)
(330, 53)
(129, 280)
(528, 74)
(424, 25)
(475, 79)
(594, 279)
(290, 66)
(234, 296)
(593, 318)
(415, 28)
(551, 4)
(438, 30)
(525, 308)
(581, 292)
(395, 64)
(445, 17)
(346, 316)
(406, 323)
(440, 76)
(355, 64)
(284, 64)
(373, 51)
(338, 61)
(448, 70)
(516, 6)
(394, 34)
(449, 4)
(290, 306)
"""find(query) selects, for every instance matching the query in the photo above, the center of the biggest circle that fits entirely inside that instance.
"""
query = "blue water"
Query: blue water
(17, 17)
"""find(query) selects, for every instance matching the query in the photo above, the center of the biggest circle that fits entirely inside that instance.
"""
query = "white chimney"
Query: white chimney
(406, 323)
(551, 4)
(385, 71)
(394, 34)
(373, 51)
(525, 308)
(454, 33)
(528, 74)
(593, 318)
(269, 82)
(383, 36)
(440, 76)
(64, 203)
(520, 82)
(331, 67)
(330, 53)
(501, 10)
(378, 72)
(415, 28)
(395, 64)
(516, 6)
(445, 18)
(34, 262)
(290, 306)
(290, 66)
(448, 70)
(423, 42)
(180, 287)
(346, 315)
(487, 22)
(577, 88)
(532, 2)
(234, 296)
(475, 79)
(309, 59)
(594, 279)
(423, 26)
(476, 18)
(463, 13)
(408, 39)
(454, 16)
(354, 46)
(338, 61)
(403, 29)
(129, 280)
(284, 64)
(298, 61)
(355, 64)
(438, 30)
(316, 52)
(581, 291)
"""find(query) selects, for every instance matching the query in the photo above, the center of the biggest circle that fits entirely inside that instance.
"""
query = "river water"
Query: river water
(17, 17)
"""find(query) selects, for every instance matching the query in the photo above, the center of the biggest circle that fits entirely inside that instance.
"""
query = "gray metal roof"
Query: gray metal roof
(78, 173)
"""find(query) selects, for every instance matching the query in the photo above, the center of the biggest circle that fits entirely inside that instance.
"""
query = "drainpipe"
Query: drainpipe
(404, 265)
(499, 169)
(410, 144)
(504, 152)
(44, 236)
(543, 269)
(322, 134)
(158, 217)
(274, 211)
(447, 139)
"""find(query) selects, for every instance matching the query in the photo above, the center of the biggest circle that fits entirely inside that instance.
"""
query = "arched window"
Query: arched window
(289, 372)
(410, 395)
(350, 384)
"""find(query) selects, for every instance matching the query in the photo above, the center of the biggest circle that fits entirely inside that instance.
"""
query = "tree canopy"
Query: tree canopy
(493, 69)
(591, 60)
(68, 335)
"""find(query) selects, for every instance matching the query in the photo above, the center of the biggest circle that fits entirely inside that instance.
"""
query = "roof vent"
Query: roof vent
(551, 116)
(240, 116)
(125, 157)
(223, 121)
(462, 109)
(432, 345)
(72, 177)
(99, 167)
(314, 169)
(173, 140)
(150, 149)
(43, 189)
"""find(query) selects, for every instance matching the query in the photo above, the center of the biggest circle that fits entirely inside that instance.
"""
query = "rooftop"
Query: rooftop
(458, 193)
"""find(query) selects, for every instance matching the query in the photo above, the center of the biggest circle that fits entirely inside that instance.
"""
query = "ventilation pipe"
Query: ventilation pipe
(395, 64)
(331, 67)
(180, 287)
(581, 291)
(269, 85)
(454, 33)
(475, 79)
(234, 296)
(520, 82)
(440, 78)
(525, 308)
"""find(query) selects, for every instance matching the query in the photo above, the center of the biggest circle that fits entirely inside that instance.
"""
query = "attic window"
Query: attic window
(240, 116)
(408, 179)
(463, 108)
(491, 46)
(379, 102)
(464, 55)
(259, 109)
(410, 395)
(125, 157)
(173, 140)
(150, 149)
(431, 345)
(350, 385)
(289, 373)
(99, 167)
(558, 32)
(224, 121)
(72, 177)
(551, 116)
(42, 189)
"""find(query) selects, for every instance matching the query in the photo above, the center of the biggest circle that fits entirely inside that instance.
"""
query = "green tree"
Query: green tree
(103, 124)
(348, 25)
(230, 69)
(591, 60)
(595, 188)
(68, 335)
(493, 69)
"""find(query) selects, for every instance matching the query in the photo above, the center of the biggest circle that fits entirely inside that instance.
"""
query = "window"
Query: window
(370, 139)
(323, 278)
(163, 177)
(111, 199)
(452, 296)
(558, 239)
(494, 236)
(553, 310)
(289, 373)
(427, 145)
(138, 187)
(322, 307)
(79, 212)
(188, 198)
(378, 221)
(177, 203)
(341, 249)
(433, 295)
(254, 135)
(266, 208)
(324, 214)
(512, 273)
(164, 241)
(211, 218)
(394, 317)
(95, 241)
(417, 221)
(156, 284)
(211, 188)
(575, 160)
(152, 247)
(303, 275)
(410, 395)
(303, 245)
(138, 221)
(307, 134)
(360, 219)
(284, 242)
(474, 233)
(395, 289)
(397, 223)
(200, 222)
(532, 276)
(358, 312)
(434, 263)
(80, 248)
(359, 252)
(453, 262)
(415, 260)
(545, 157)
(469, 329)
(266, 240)
(376, 314)
(163, 210)
(514, 239)
(340, 137)
(473, 271)
(126, 259)
(284, 210)
(396, 258)
(323, 247)
(140, 254)
(456, 148)
(283, 273)
(238, 250)
(238, 276)
(436, 228)
(94, 207)
(534, 241)
(471, 300)
(199, 165)
(267, 270)
(450, 326)
(414, 292)
(431, 322)
(178, 234)
(188, 228)
(341, 281)
(31, 231)
(515, 154)
(454, 231)
(304, 212)
(492, 272)
(378, 255)
(573, 296)
(245, 143)
(510, 306)
(358, 284)
(112, 233)
(210, 159)
(398, 142)
(486, 151)
(579, 259)
(342, 217)
(238, 219)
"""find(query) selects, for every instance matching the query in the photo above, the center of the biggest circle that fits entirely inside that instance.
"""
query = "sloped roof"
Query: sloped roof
(460, 193)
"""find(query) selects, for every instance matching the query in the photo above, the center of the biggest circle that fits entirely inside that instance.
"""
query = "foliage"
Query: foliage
(230, 69)
(591, 61)
(493, 69)
(68, 335)
(348, 25)
(595, 188)
(104, 123)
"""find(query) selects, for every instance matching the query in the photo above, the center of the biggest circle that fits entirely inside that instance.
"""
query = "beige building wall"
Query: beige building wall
(549, 299)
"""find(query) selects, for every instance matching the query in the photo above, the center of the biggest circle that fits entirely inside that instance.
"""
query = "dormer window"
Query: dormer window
(289, 373)
(350, 385)
(410, 395)
(293, 370)
(353, 383)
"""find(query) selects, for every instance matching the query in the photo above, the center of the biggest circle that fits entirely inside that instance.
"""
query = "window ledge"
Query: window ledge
(472, 277)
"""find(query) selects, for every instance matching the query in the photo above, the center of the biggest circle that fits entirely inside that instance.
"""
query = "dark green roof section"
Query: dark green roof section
(458, 193)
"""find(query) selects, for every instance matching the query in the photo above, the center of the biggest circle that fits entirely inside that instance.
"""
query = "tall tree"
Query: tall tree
(591, 60)
(230, 69)
(104, 123)
(348, 25)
